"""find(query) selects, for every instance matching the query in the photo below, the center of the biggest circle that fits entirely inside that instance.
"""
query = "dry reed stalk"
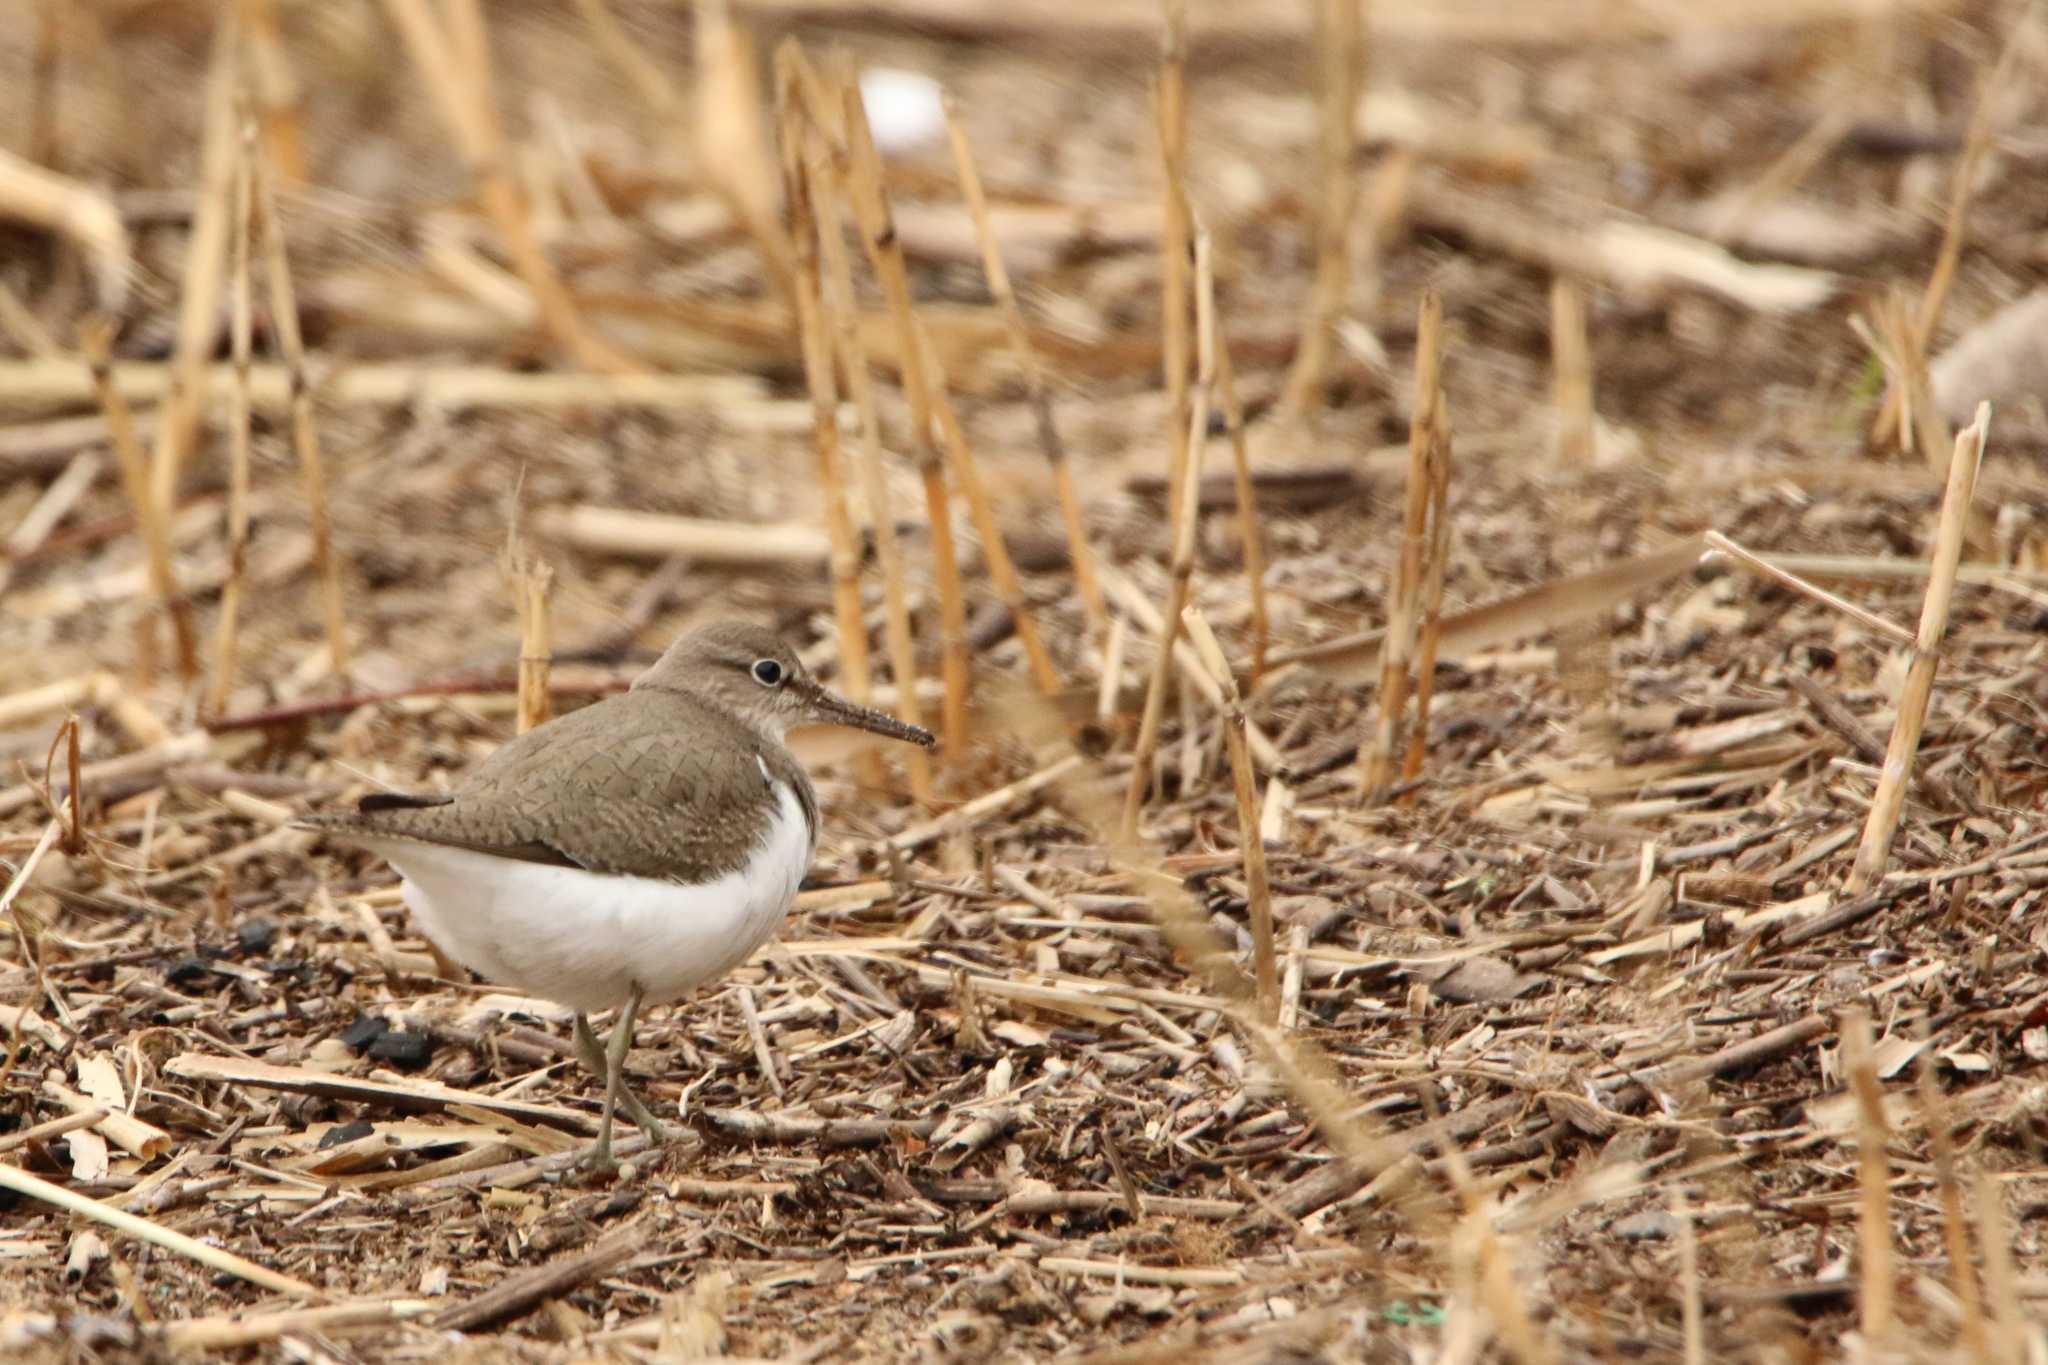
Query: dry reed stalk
(885, 254)
(1376, 757)
(1339, 56)
(85, 216)
(151, 517)
(1247, 508)
(44, 147)
(1181, 490)
(273, 86)
(1955, 1221)
(533, 584)
(291, 346)
(1874, 1233)
(240, 331)
(843, 309)
(731, 139)
(1890, 795)
(1689, 1277)
(462, 91)
(1037, 386)
(1571, 361)
(1435, 560)
(1962, 188)
(2001, 1285)
(1186, 514)
(814, 330)
(1002, 570)
(1778, 573)
(1258, 888)
(199, 292)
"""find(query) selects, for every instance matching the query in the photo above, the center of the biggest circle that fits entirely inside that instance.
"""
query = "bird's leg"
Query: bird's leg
(594, 1061)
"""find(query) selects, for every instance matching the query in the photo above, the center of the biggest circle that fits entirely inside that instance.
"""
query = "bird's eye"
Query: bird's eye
(768, 673)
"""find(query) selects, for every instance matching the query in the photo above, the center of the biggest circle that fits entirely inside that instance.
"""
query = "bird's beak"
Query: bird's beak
(829, 708)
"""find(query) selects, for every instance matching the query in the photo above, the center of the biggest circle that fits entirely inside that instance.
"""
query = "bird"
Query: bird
(624, 854)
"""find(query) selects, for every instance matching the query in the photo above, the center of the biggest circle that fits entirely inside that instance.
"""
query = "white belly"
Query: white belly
(587, 939)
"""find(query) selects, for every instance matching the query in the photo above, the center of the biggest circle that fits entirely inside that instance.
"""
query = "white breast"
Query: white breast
(587, 939)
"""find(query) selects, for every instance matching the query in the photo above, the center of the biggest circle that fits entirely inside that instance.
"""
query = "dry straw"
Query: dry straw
(1890, 798)
(228, 623)
(1339, 55)
(885, 253)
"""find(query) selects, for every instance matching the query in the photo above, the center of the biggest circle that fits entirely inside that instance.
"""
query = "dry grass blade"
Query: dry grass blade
(1718, 543)
(1890, 797)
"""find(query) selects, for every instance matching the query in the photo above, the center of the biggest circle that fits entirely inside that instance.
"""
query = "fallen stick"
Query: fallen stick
(21, 1182)
(521, 1293)
(413, 1096)
(229, 1330)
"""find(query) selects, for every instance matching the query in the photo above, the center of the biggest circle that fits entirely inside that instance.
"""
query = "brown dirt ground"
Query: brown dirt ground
(1551, 944)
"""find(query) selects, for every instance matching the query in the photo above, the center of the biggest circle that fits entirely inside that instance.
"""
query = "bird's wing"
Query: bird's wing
(660, 788)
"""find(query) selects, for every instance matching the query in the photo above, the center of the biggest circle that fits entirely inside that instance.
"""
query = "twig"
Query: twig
(521, 1293)
(291, 346)
(1890, 796)
(1037, 387)
(1258, 891)
(21, 1182)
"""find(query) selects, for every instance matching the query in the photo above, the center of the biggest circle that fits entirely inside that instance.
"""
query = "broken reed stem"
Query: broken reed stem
(841, 308)
(885, 253)
(461, 89)
(2001, 1284)
(815, 334)
(1339, 55)
(1247, 507)
(1954, 1220)
(291, 347)
(1001, 569)
(731, 144)
(1890, 796)
(1689, 1278)
(1403, 588)
(1962, 188)
(1037, 387)
(1749, 558)
(199, 296)
(1174, 321)
(533, 584)
(1186, 515)
(240, 329)
(273, 86)
(1258, 887)
(1571, 359)
(1435, 559)
(44, 147)
(151, 517)
(1874, 1232)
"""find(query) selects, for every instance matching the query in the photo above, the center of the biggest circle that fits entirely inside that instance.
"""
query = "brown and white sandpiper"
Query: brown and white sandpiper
(627, 853)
